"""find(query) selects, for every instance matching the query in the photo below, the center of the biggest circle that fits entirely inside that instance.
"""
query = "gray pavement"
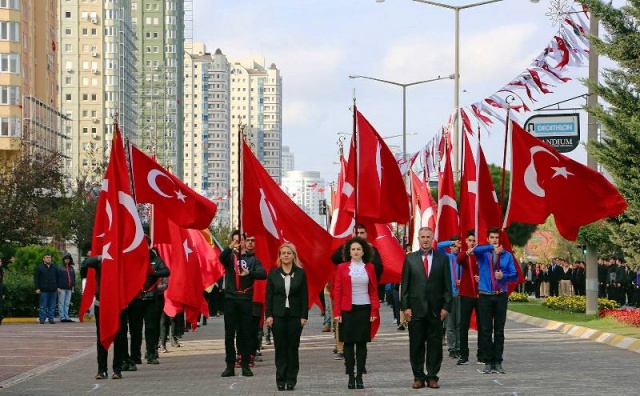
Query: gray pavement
(538, 362)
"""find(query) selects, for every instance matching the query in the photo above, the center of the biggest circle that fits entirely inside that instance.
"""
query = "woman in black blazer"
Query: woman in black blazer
(287, 303)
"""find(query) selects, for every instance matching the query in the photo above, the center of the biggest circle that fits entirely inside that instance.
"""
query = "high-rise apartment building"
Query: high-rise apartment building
(98, 79)
(160, 26)
(288, 160)
(206, 127)
(29, 116)
(256, 108)
(306, 189)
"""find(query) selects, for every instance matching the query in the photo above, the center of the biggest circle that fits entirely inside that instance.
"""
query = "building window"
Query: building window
(10, 63)
(9, 127)
(11, 4)
(9, 95)
(67, 97)
(67, 14)
(9, 31)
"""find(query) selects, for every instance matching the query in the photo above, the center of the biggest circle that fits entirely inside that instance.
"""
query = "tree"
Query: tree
(32, 189)
(619, 149)
(74, 219)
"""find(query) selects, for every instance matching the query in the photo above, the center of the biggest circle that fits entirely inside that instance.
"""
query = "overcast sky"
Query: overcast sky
(317, 44)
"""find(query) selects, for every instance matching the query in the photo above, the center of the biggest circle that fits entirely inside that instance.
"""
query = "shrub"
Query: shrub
(627, 316)
(28, 257)
(518, 297)
(575, 304)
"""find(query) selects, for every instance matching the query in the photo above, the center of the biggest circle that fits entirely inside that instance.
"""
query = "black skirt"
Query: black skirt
(356, 324)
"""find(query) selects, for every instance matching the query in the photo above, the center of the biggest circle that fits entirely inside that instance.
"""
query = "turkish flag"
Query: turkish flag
(391, 252)
(448, 225)
(425, 208)
(155, 185)
(381, 194)
(186, 285)
(273, 218)
(125, 254)
(209, 252)
(342, 222)
(545, 182)
(479, 208)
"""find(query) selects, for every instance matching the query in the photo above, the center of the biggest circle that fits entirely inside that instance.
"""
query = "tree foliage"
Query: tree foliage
(31, 191)
(619, 149)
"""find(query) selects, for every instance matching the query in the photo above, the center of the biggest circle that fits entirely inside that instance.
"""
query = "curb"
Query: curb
(35, 320)
(585, 333)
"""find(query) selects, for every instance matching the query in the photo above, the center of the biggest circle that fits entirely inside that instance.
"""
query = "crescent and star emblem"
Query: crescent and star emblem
(531, 173)
(187, 249)
(268, 215)
(152, 177)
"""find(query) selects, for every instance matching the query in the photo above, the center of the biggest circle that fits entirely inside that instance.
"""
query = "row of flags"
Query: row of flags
(370, 190)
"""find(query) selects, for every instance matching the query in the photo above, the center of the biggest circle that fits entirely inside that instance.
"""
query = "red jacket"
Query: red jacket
(341, 289)
(468, 284)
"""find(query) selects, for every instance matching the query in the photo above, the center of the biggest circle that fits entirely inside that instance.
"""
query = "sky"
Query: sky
(318, 44)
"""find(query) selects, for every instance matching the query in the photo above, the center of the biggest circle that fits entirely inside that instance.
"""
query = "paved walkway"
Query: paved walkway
(61, 359)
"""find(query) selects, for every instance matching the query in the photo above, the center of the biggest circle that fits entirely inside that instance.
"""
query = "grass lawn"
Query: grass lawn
(609, 325)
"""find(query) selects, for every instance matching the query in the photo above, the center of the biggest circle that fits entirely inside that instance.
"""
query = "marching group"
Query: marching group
(443, 285)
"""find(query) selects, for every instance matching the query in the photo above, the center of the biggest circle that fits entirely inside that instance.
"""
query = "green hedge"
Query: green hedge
(576, 304)
(22, 301)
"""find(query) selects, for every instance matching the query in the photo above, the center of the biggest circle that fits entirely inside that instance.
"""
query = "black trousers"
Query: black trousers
(152, 314)
(554, 289)
(467, 306)
(286, 338)
(135, 314)
(238, 322)
(492, 316)
(119, 345)
(425, 334)
(167, 329)
(355, 356)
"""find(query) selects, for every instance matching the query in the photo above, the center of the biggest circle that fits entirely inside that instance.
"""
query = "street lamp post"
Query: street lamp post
(404, 101)
(456, 66)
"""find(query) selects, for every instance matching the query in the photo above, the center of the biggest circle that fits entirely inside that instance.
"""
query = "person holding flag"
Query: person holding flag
(468, 297)
(496, 267)
(452, 322)
(242, 268)
(120, 342)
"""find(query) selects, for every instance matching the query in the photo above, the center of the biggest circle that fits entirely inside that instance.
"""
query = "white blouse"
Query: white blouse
(359, 284)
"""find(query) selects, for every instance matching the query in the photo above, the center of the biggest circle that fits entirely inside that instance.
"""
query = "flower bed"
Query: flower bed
(626, 316)
(576, 304)
(518, 297)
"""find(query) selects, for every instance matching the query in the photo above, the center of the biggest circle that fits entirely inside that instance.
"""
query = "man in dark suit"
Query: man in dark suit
(555, 276)
(426, 301)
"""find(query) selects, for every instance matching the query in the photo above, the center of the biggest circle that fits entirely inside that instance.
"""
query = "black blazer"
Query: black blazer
(555, 275)
(426, 296)
(298, 294)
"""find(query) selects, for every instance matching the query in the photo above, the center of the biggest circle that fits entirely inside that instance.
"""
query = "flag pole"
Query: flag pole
(508, 100)
(239, 175)
(476, 204)
(356, 143)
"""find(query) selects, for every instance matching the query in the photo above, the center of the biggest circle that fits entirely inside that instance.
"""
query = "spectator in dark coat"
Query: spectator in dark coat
(45, 279)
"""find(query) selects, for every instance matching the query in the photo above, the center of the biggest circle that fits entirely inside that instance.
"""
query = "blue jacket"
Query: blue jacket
(488, 283)
(454, 267)
(64, 277)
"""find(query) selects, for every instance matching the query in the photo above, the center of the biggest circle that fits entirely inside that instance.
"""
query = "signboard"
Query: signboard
(560, 131)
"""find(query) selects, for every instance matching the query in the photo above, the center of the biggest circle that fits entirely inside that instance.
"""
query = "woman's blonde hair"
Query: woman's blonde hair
(292, 247)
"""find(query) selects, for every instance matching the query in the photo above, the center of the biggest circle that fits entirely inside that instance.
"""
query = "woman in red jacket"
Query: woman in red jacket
(356, 306)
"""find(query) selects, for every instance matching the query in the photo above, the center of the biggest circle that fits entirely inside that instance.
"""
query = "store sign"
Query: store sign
(560, 131)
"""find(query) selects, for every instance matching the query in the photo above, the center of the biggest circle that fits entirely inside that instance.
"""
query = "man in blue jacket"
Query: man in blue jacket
(496, 268)
(45, 279)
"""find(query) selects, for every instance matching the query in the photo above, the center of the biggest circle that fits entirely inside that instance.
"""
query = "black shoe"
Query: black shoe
(454, 355)
(137, 360)
(116, 375)
(102, 375)
(352, 382)
(153, 360)
(229, 371)
(290, 387)
(359, 384)
(488, 368)
(132, 366)
(280, 387)
(462, 362)
(497, 368)
(246, 371)
(125, 366)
